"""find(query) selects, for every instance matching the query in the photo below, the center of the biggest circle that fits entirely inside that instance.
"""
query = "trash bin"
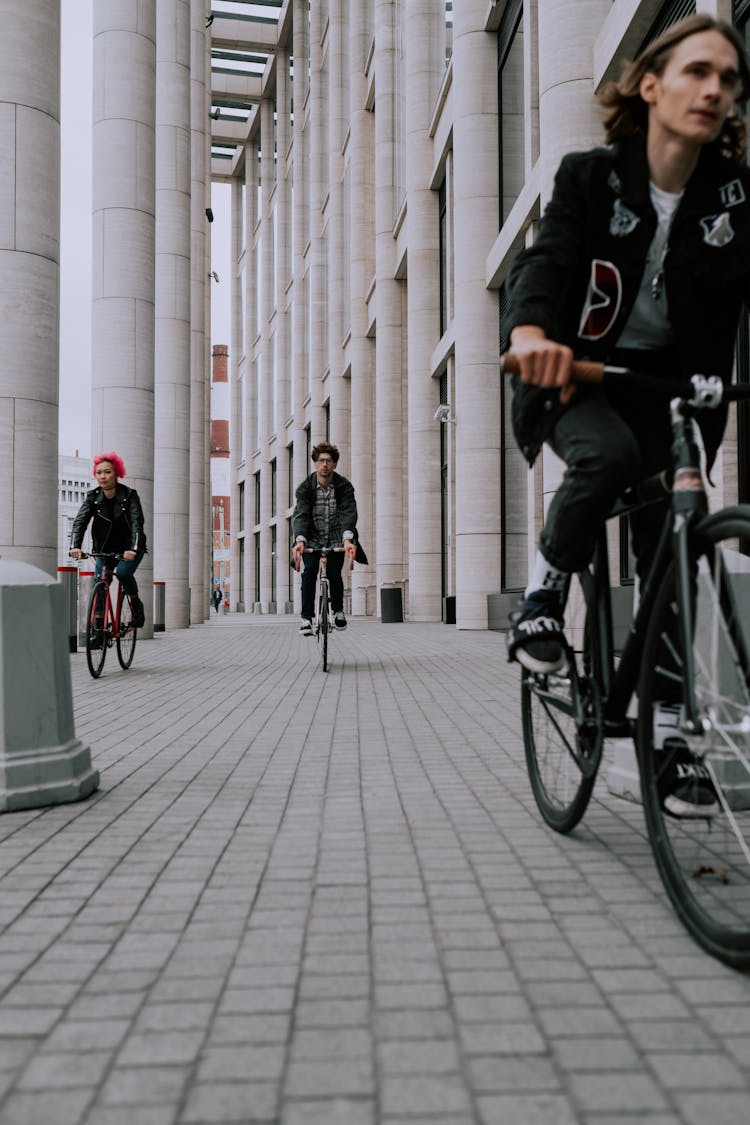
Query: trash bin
(391, 609)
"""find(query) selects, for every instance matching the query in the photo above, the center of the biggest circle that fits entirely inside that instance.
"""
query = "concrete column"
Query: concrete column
(282, 365)
(236, 421)
(199, 277)
(172, 342)
(29, 280)
(423, 21)
(123, 248)
(266, 403)
(390, 460)
(475, 226)
(317, 290)
(361, 271)
(338, 389)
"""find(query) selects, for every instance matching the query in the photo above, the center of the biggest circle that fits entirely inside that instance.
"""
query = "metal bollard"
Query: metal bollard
(68, 577)
(85, 586)
(160, 595)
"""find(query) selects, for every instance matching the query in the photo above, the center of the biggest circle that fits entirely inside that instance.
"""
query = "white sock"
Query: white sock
(544, 576)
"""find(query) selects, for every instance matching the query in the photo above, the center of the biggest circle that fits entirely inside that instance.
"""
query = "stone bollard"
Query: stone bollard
(160, 601)
(68, 577)
(41, 760)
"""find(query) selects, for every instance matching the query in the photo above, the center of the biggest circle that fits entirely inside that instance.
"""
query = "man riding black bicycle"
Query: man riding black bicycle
(325, 515)
(642, 260)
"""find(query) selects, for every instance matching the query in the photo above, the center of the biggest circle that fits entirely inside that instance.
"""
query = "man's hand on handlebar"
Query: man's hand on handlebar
(351, 549)
(543, 362)
(75, 553)
(298, 550)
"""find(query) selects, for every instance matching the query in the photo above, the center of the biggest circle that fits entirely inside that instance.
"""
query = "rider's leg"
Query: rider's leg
(310, 565)
(335, 566)
(125, 574)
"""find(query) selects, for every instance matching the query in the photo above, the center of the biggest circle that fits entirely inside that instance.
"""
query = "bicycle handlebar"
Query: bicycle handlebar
(702, 391)
(98, 555)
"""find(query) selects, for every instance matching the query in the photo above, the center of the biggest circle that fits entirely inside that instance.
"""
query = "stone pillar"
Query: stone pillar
(266, 381)
(29, 279)
(475, 226)
(172, 341)
(317, 289)
(123, 249)
(282, 324)
(338, 390)
(423, 21)
(390, 461)
(199, 278)
(362, 267)
(301, 223)
(240, 595)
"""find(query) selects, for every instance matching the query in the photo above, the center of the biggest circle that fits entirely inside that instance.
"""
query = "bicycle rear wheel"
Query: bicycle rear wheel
(96, 634)
(126, 631)
(704, 861)
(323, 624)
(562, 721)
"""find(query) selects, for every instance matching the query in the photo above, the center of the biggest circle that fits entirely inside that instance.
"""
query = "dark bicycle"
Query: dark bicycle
(322, 623)
(108, 624)
(691, 634)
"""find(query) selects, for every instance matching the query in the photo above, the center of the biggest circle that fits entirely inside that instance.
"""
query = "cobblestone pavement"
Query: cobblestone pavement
(309, 899)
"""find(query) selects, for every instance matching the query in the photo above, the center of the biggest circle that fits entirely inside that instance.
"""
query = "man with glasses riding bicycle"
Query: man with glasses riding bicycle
(643, 261)
(325, 513)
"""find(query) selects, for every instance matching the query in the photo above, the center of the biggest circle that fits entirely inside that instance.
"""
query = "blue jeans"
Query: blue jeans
(124, 572)
(607, 441)
(311, 564)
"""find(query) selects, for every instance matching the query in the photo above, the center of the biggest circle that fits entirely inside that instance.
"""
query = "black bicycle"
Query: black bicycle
(689, 643)
(108, 624)
(322, 623)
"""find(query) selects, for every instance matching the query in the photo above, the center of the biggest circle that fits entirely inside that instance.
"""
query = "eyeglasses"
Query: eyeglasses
(326, 461)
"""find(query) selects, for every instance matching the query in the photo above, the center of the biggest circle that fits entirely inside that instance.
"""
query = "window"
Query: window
(256, 482)
(290, 476)
(510, 106)
(241, 507)
(443, 249)
(273, 487)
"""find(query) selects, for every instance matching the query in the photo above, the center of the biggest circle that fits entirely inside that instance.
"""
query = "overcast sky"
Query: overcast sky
(75, 234)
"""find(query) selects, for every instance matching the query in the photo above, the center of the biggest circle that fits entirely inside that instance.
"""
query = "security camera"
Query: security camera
(443, 413)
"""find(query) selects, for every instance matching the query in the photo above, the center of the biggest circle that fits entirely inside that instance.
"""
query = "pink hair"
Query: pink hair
(117, 463)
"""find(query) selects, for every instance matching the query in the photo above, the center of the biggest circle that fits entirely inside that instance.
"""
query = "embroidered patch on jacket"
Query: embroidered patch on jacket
(717, 230)
(732, 193)
(603, 300)
(623, 221)
(614, 182)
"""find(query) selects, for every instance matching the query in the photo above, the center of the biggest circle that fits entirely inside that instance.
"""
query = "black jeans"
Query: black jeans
(334, 566)
(608, 440)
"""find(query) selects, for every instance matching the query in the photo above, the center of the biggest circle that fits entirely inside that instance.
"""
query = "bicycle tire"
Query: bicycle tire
(96, 639)
(324, 625)
(562, 719)
(704, 862)
(127, 634)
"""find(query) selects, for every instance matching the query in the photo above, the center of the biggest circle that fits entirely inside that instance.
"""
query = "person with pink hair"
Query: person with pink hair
(116, 517)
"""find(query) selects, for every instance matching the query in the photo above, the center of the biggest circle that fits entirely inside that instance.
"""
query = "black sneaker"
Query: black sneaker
(535, 638)
(139, 613)
(339, 620)
(683, 782)
(306, 628)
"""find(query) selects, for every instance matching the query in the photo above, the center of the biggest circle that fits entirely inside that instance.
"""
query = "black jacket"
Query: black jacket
(346, 510)
(123, 533)
(580, 278)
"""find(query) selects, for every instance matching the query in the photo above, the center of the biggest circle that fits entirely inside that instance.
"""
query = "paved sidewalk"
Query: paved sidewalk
(308, 899)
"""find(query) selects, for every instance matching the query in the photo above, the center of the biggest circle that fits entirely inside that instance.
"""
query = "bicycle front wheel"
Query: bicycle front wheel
(562, 720)
(704, 859)
(96, 634)
(323, 625)
(126, 631)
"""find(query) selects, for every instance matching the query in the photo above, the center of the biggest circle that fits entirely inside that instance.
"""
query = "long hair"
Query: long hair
(115, 460)
(626, 111)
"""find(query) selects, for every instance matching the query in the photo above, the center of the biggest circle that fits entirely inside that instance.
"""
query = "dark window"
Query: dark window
(670, 13)
(273, 487)
(443, 238)
(510, 105)
(291, 484)
(241, 506)
(256, 538)
(256, 483)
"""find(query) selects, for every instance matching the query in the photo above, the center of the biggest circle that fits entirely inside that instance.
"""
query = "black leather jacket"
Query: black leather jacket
(580, 278)
(123, 533)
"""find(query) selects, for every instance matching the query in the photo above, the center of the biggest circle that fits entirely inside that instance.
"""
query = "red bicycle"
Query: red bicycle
(108, 625)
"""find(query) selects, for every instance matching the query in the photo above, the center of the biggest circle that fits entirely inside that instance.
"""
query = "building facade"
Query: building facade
(221, 523)
(399, 154)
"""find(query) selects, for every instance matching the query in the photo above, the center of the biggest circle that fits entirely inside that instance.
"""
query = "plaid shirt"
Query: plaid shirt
(326, 525)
